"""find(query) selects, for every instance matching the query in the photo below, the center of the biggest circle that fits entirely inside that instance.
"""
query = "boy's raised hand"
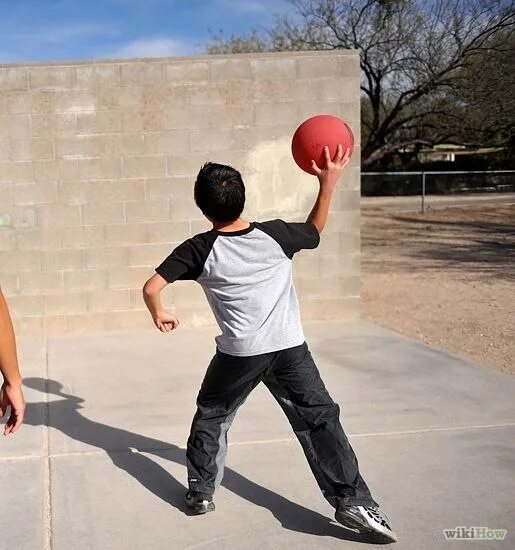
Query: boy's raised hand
(166, 322)
(329, 174)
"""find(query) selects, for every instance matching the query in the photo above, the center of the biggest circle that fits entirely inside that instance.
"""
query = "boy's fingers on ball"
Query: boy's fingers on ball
(315, 167)
(339, 153)
(327, 155)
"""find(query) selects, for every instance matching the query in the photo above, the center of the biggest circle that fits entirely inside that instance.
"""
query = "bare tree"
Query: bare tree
(417, 59)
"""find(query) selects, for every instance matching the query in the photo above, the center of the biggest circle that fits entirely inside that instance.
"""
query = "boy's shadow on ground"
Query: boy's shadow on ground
(121, 446)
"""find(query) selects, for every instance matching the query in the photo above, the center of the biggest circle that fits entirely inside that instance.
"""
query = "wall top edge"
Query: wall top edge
(184, 59)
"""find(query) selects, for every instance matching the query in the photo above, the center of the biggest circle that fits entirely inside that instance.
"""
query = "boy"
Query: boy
(11, 394)
(245, 270)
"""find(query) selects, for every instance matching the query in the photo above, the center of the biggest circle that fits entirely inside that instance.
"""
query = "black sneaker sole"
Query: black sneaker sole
(363, 529)
(200, 509)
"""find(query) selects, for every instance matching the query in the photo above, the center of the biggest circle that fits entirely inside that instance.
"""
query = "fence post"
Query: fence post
(422, 209)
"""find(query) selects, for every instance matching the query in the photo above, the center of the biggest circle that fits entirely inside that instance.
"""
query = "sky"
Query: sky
(40, 30)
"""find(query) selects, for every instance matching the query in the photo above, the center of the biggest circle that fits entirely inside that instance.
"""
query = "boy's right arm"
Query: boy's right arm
(164, 321)
(328, 177)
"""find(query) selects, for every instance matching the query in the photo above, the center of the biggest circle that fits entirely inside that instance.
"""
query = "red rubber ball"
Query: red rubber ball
(313, 134)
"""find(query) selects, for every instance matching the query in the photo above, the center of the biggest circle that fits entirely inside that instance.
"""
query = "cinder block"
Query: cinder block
(343, 264)
(99, 122)
(82, 281)
(171, 142)
(332, 89)
(312, 108)
(19, 217)
(65, 304)
(82, 237)
(130, 277)
(10, 285)
(274, 113)
(37, 239)
(342, 222)
(350, 112)
(318, 67)
(348, 285)
(228, 69)
(350, 242)
(102, 168)
(57, 215)
(168, 232)
(102, 258)
(41, 282)
(148, 254)
(184, 208)
(144, 166)
(141, 73)
(61, 260)
(131, 233)
(108, 300)
(74, 101)
(203, 116)
(277, 90)
(16, 172)
(13, 79)
(5, 149)
(62, 170)
(101, 191)
(52, 125)
(187, 165)
(163, 188)
(182, 72)
(126, 320)
(273, 68)
(103, 213)
(15, 126)
(211, 140)
(96, 76)
(26, 305)
(200, 226)
(35, 193)
(148, 211)
(19, 103)
(50, 78)
(7, 238)
(87, 322)
(144, 121)
(31, 149)
(348, 66)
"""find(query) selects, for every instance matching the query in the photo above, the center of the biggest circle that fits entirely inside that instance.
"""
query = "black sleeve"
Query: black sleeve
(292, 237)
(186, 262)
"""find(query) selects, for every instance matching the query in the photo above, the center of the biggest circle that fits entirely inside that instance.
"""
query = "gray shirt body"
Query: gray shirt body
(247, 278)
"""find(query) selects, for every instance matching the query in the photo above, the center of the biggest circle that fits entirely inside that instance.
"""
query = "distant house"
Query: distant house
(449, 152)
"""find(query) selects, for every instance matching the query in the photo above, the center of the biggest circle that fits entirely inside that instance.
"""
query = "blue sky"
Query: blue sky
(37, 30)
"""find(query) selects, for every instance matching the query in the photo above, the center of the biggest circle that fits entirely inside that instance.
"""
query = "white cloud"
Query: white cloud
(66, 32)
(155, 47)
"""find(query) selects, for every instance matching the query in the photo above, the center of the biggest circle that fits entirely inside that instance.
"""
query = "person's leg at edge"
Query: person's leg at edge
(226, 385)
(297, 386)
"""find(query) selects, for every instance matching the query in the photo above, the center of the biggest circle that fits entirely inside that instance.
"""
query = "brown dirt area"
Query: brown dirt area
(445, 277)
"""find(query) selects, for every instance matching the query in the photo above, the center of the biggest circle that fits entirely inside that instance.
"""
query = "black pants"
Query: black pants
(293, 378)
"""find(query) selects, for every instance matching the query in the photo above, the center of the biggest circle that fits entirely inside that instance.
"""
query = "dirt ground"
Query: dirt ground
(445, 277)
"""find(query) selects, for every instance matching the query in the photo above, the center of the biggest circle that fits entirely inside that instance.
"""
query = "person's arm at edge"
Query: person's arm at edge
(328, 177)
(11, 393)
(163, 320)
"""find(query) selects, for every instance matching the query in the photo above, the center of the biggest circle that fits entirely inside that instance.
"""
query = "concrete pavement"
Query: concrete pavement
(100, 461)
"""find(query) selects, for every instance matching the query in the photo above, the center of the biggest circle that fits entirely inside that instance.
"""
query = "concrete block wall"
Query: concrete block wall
(97, 165)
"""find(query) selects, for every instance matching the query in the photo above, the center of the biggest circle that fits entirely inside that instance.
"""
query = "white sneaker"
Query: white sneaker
(366, 520)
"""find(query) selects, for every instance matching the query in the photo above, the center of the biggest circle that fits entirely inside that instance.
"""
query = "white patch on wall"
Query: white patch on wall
(275, 186)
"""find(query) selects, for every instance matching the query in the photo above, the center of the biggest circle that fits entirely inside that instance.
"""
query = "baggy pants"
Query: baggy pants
(293, 379)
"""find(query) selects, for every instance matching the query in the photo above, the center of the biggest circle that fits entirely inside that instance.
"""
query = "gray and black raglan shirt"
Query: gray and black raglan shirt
(247, 278)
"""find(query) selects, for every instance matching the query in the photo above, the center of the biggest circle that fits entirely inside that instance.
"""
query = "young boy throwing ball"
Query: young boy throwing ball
(245, 269)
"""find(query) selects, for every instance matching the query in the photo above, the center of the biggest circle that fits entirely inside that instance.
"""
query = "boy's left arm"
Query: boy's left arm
(164, 321)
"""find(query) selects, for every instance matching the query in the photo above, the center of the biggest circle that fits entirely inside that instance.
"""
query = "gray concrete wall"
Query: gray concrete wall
(97, 164)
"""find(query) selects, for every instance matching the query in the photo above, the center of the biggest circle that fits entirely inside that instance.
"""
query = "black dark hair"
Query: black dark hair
(219, 192)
